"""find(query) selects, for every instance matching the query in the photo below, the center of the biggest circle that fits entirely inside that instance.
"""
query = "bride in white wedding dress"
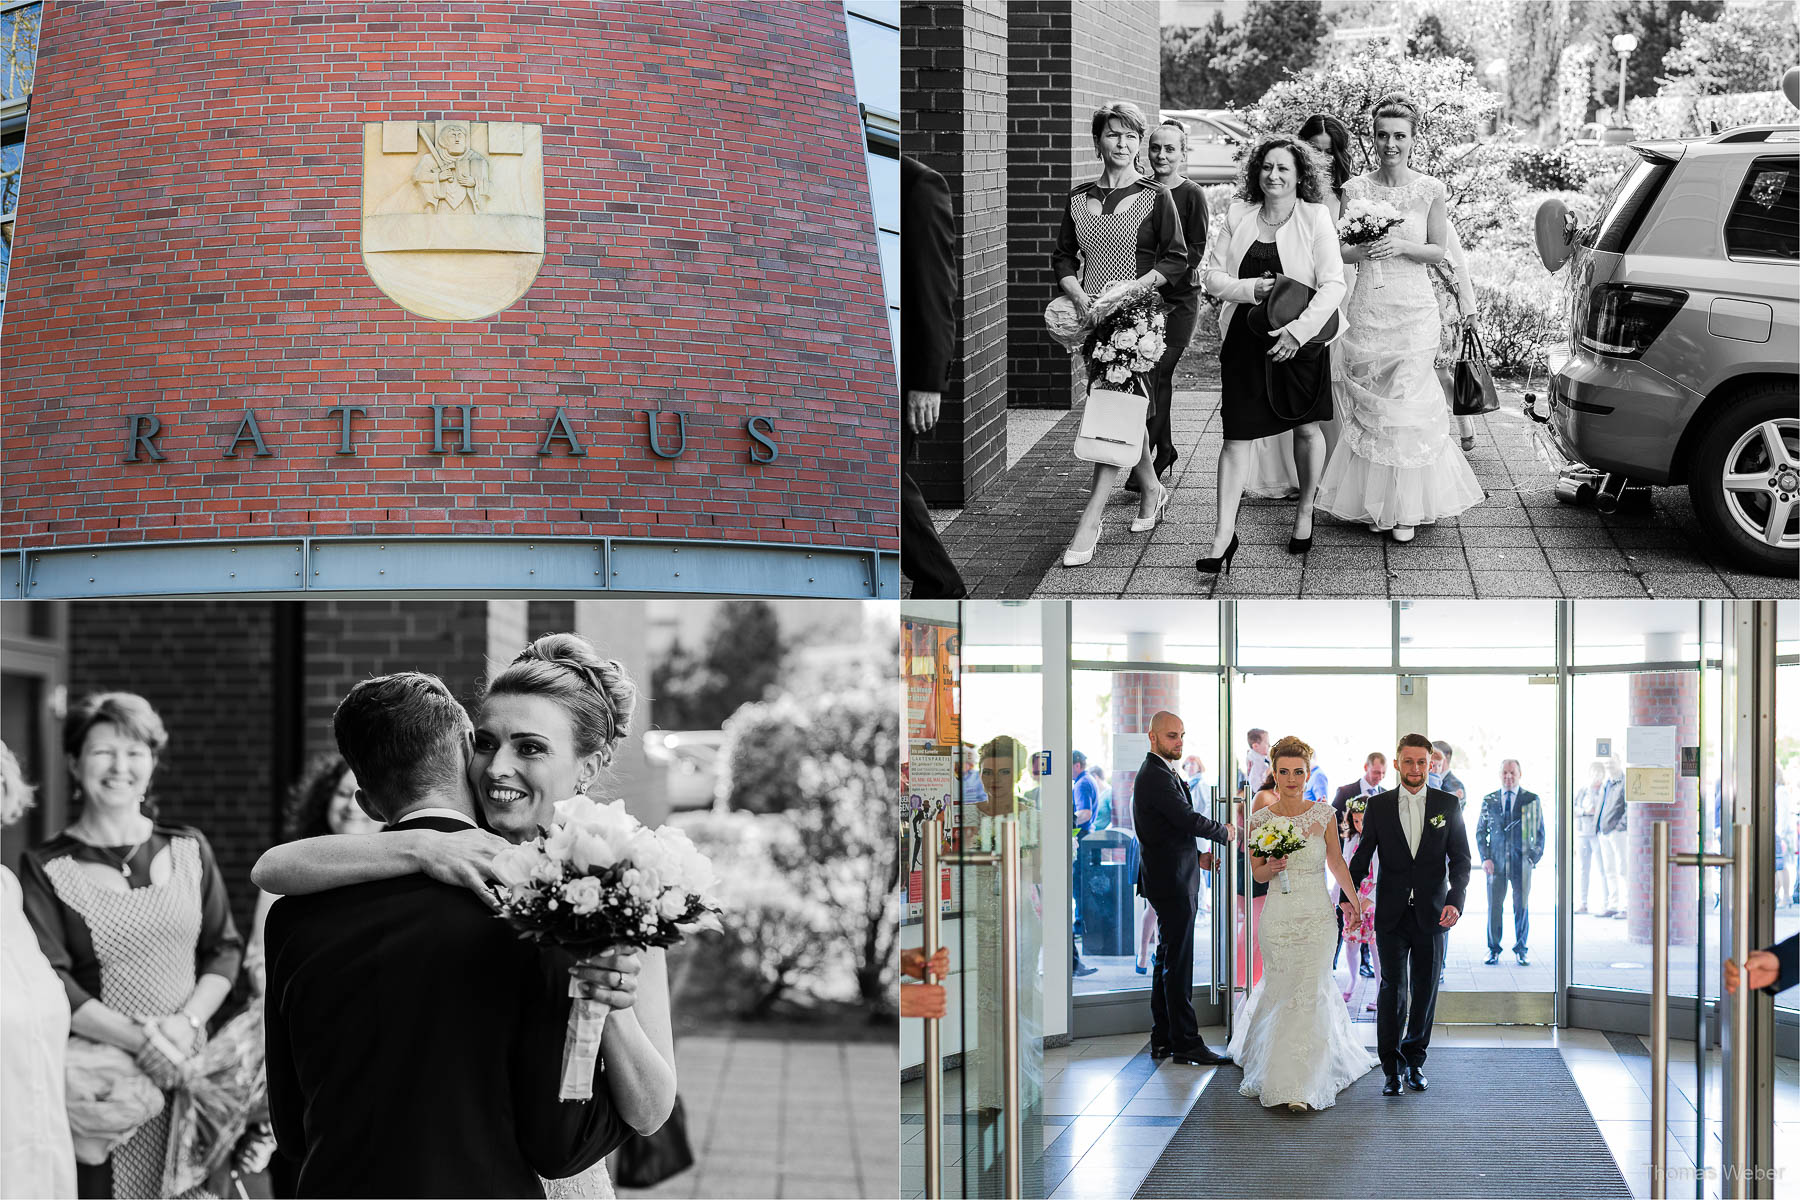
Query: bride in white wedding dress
(1293, 1038)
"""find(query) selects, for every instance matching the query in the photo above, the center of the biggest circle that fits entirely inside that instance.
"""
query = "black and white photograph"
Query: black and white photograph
(1389, 298)
(477, 898)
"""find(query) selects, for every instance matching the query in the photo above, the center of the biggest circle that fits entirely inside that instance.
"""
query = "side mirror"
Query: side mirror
(1555, 229)
(1790, 86)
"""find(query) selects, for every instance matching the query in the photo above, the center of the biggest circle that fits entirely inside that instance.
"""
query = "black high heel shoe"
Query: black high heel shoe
(1299, 545)
(1212, 566)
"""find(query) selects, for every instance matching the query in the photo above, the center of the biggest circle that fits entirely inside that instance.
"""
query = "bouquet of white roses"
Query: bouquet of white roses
(1277, 837)
(1130, 331)
(1366, 221)
(596, 880)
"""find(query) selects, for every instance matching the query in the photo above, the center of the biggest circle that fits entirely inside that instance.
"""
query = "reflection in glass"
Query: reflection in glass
(1621, 632)
(1315, 633)
(1494, 633)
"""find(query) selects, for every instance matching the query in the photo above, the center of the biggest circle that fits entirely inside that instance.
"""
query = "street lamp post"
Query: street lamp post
(1623, 44)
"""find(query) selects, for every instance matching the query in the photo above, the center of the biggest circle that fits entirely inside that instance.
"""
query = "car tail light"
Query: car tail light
(1624, 319)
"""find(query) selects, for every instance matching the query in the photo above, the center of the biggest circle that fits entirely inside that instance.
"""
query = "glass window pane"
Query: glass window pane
(1314, 633)
(1787, 787)
(875, 56)
(885, 11)
(1491, 633)
(1635, 631)
(1171, 631)
(890, 264)
(1620, 721)
(18, 49)
(884, 182)
(1109, 718)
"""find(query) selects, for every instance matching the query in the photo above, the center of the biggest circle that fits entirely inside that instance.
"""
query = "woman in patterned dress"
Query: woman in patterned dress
(1397, 464)
(1122, 226)
(1361, 933)
(132, 914)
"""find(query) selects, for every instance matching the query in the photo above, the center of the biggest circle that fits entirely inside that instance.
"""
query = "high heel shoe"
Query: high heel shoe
(1298, 544)
(1146, 524)
(1212, 566)
(1401, 533)
(1077, 558)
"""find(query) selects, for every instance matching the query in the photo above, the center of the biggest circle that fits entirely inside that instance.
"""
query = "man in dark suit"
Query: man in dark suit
(1509, 836)
(414, 1041)
(1419, 835)
(927, 344)
(1169, 866)
(1368, 784)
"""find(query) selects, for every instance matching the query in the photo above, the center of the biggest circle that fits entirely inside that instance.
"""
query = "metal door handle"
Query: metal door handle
(1739, 862)
(934, 1058)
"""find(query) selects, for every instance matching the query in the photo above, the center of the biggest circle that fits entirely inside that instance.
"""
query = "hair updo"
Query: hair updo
(598, 693)
(1398, 104)
(1290, 747)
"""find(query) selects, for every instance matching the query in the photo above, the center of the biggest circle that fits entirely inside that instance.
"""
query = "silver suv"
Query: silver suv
(1684, 324)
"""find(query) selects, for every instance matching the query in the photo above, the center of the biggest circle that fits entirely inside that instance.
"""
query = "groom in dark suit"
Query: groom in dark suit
(1424, 848)
(1169, 866)
(414, 1041)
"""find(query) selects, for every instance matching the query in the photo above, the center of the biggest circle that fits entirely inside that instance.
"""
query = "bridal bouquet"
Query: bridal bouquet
(1365, 221)
(598, 880)
(223, 1090)
(1277, 837)
(1129, 331)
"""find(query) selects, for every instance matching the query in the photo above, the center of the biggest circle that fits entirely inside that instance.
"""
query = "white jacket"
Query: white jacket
(1309, 253)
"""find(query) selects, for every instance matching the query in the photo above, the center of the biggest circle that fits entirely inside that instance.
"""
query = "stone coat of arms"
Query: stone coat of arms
(453, 214)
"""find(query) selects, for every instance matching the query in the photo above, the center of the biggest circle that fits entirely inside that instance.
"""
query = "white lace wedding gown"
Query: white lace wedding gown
(592, 1184)
(1293, 1037)
(1397, 460)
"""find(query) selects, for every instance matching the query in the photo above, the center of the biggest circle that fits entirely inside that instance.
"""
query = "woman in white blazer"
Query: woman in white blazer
(1280, 380)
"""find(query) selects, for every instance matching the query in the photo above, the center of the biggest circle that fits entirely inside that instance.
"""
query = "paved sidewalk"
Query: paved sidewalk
(1520, 541)
(787, 1118)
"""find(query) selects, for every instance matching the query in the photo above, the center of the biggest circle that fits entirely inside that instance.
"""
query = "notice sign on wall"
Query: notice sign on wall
(1650, 785)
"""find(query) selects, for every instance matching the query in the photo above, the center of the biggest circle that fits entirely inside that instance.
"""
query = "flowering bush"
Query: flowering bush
(1673, 114)
(1521, 309)
(1553, 169)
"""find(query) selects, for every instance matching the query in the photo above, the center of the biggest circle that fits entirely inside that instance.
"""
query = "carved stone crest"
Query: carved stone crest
(453, 214)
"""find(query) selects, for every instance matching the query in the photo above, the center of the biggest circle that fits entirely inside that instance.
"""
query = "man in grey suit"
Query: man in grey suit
(1509, 836)
(1169, 866)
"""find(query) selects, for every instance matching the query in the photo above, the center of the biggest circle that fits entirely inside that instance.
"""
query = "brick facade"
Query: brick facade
(1136, 697)
(1064, 59)
(188, 246)
(953, 77)
(1665, 698)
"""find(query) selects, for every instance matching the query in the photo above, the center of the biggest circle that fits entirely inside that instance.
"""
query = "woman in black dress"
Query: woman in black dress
(1122, 226)
(1277, 381)
(1168, 157)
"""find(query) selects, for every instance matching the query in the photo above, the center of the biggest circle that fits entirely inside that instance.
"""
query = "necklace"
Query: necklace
(1263, 216)
(124, 863)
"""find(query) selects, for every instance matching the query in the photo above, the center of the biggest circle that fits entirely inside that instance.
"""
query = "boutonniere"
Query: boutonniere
(1437, 822)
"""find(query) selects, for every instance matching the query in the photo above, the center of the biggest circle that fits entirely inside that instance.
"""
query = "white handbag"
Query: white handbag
(1113, 426)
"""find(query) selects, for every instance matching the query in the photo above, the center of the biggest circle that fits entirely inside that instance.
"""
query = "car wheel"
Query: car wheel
(1745, 481)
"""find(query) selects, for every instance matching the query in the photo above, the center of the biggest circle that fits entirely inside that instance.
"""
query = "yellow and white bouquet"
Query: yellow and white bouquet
(597, 880)
(1277, 837)
(1130, 331)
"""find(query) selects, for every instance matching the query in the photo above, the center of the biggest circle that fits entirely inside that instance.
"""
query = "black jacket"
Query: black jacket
(1503, 841)
(415, 1047)
(928, 278)
(1162, 811)
(1437, 876)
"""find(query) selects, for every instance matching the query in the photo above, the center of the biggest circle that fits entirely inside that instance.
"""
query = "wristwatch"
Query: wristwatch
(198, 1025)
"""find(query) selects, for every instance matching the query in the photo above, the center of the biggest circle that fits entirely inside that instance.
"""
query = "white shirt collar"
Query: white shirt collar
(1411, 795)
(445, 813)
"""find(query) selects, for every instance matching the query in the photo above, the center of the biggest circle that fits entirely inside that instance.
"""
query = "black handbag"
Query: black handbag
(1471, 383)
(1286, 300)
(645, 1160)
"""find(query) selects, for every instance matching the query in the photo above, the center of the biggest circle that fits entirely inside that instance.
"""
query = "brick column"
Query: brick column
(953, 76)
(1136, 697)
(1668, 698)
(1063, 60)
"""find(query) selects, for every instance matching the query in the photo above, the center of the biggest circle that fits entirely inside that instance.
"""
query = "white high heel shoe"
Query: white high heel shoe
(1076, 558)
(1402, 533)
(1146, 524)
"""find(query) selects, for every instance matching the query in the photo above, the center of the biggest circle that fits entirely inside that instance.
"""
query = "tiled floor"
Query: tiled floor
(1109, 1112)
(1520, 541)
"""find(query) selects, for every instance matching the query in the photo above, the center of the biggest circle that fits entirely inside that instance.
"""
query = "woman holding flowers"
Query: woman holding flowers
(1293, 1037)
(1396, 465)
(1278, 379)
(545, 733)
(1120, 228)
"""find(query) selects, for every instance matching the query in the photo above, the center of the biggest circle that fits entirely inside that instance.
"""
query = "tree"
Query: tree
(1537, 36)
(1745, 50)
(1429, 39)
(1221, 64)
(743, 658)
(1659, 28)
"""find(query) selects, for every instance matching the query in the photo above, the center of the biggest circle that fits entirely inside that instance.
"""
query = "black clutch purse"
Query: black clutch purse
(1284, 304)
(645, 1161)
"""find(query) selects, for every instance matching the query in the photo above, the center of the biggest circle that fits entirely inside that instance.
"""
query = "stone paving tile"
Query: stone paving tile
(1520, 541)
(1494, 584)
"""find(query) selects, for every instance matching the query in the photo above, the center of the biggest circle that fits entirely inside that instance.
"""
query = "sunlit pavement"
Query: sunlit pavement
(786, 1118)
(1519, 542)
(1103, 1137)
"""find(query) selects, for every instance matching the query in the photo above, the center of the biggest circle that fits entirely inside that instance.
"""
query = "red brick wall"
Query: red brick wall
(1666, 698)
(188, 245)
(1136, 697)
